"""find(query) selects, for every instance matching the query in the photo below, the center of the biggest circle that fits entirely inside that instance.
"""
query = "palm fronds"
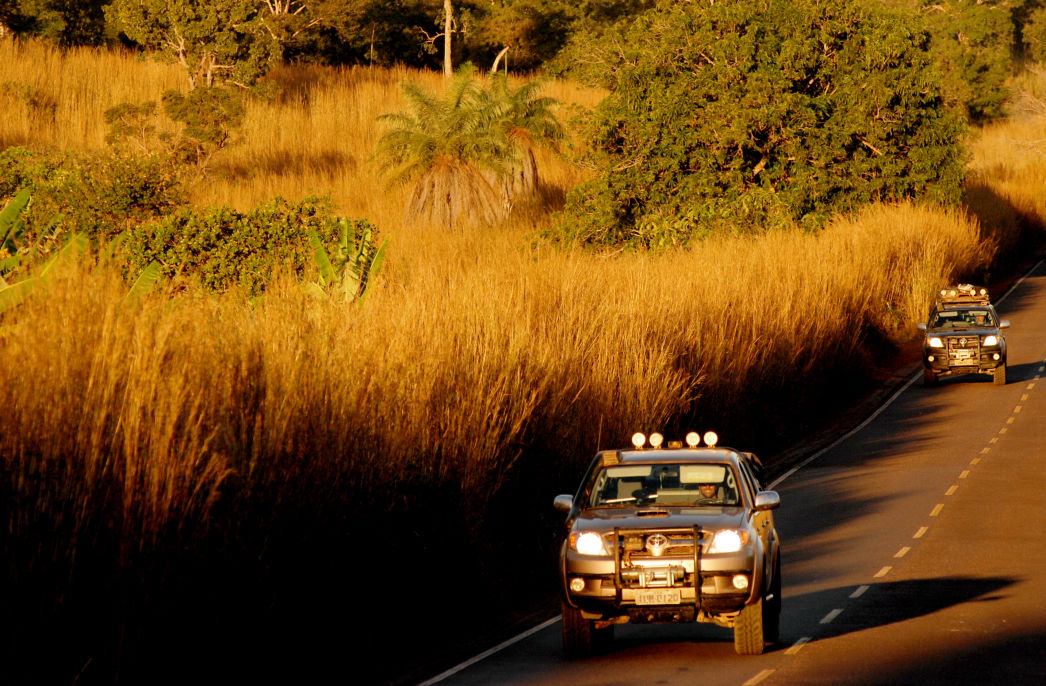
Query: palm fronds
(468, 154)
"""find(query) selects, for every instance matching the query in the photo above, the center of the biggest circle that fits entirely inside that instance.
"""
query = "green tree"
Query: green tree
(744, 114)
(216, 41)
(1034, 35)
(66, 22)
(971, 42)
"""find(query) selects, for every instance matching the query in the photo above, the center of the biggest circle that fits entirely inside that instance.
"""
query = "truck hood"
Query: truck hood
(706, 517)
(968, 332)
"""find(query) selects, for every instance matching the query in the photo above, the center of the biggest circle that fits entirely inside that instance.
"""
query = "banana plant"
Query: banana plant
(11, 294)
(10, 230)
(14, 293)
(350, 271)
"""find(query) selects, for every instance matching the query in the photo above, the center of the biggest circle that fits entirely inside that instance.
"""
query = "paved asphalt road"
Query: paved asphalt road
(913, 553)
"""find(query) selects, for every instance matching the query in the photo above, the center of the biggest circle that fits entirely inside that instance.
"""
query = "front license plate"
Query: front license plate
(659, 596)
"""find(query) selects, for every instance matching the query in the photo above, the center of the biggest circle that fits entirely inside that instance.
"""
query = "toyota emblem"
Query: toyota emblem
(656, 544)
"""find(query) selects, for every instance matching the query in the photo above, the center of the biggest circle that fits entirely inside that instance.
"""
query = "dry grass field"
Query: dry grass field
(197, 446)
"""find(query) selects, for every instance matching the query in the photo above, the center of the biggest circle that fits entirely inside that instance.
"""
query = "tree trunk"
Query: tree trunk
(448, 12)
(497, 60)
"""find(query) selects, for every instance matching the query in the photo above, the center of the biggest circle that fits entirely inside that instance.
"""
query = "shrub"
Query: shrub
(96, 196)
(222, 248)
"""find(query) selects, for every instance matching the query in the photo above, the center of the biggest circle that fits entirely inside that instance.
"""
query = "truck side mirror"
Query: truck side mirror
(563, 503)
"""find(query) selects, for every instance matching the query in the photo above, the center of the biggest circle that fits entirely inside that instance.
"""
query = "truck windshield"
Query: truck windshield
(665, 484)
(962, 319)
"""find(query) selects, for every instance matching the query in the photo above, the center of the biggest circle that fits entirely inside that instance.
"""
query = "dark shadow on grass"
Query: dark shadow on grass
(289, 162)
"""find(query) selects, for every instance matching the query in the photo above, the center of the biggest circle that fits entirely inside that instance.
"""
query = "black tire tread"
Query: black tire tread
(748, 630)
(578, 633)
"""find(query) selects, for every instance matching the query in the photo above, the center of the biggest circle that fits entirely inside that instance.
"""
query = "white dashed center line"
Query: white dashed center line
(828, 618)
(937, 509)
(965, 473)
(951, 491)
(859, 591)
(798, 645)
(921, 532)
(902, 552)
(882, 572)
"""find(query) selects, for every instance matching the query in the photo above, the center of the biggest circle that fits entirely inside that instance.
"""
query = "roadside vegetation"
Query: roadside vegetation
(236, 468)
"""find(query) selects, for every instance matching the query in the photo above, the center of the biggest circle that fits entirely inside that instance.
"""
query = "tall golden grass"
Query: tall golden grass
(483, 356)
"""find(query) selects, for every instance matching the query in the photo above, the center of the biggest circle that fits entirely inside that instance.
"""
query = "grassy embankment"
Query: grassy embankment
(193, 476)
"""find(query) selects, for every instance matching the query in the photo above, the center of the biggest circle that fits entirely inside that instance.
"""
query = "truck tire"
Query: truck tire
(749, 635)
(578, 633)
(999, 375)
(772, 618)
(929, 377)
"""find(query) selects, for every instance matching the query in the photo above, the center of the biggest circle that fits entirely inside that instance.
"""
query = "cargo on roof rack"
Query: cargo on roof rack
(964, 294)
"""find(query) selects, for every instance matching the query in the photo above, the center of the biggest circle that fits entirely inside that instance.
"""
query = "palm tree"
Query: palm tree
(527, 121)
(461, 153)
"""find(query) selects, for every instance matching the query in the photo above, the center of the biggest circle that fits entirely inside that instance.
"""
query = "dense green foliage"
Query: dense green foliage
(972, 43)
(1034, 33)
(740, 115)
(96, 196)
(222, 248)
(66, 22)
(135, 204)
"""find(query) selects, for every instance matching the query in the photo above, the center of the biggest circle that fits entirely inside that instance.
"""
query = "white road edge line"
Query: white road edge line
(797, 646)
(889, 400)
(765, 673)
(487, 653)
(848, 434)
(758, 677)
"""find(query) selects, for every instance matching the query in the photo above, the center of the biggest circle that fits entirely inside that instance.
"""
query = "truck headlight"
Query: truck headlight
(991, 340)
(588, 543)
(935, 342)
(728, 541)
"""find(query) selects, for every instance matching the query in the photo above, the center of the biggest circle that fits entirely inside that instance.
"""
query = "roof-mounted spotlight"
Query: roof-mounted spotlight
(638, 439)
(656, 440)
(693, 439)
(711, 438)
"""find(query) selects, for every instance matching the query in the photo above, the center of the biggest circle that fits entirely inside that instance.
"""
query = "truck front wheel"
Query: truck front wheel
(580, 635)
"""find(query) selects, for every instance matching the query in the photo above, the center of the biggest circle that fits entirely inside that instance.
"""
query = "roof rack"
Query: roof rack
(963, 294)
